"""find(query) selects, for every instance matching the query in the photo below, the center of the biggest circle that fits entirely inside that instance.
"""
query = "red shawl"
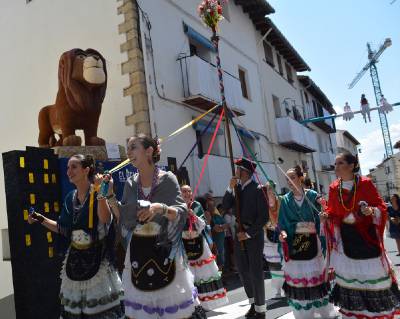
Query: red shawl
(367, 192)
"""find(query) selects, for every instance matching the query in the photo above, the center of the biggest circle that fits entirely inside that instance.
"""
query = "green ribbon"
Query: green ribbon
(363, 282)
(207, 281)
(308, 306)
(253, 157)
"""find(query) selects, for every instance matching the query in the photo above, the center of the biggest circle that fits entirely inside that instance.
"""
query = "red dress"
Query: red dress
(364, 285)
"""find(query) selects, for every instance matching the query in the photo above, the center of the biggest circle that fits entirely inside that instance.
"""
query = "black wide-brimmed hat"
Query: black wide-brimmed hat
(246, 164)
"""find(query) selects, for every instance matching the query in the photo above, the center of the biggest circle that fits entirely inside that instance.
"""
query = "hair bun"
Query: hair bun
(89, 159)
(299, 171)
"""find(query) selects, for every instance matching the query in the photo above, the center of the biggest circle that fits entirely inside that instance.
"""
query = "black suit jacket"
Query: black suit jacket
(254, 209)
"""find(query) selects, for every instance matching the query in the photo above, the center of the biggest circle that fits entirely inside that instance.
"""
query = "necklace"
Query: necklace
(77, 206)
(353, 194)
(154, 182)
(297, 209)
(300, 199)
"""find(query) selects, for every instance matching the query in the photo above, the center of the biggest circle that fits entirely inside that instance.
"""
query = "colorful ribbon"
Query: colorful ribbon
(213, 297)
(91, 208)
(203, 262)
(126, 162)
(362, 316)
(305, 281)
(208, 154)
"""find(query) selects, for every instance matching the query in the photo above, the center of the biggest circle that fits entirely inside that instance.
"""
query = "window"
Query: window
(277, 106)
(289, 73)
(250, 143)
(249, 139)
(204, 143)
(269, 55)
(193, 49)
(306, 97)
(322, 145)
(278, 57)
(243, 83)
(297, 114)
(199, 50)
(199, 45)
(315, 108)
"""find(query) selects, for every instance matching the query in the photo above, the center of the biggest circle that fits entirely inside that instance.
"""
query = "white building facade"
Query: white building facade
(386, 176)
(346, 142)
(161, 74)
(316, 104)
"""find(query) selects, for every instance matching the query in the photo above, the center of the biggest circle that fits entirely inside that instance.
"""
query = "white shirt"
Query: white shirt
(230, 190)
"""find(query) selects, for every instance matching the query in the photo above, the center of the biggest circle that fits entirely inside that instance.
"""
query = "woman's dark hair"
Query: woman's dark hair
(202, 201)
(308, 183)
(147, 142)
(397, 199)
(86, 161)
(297, 169)
(351, 159)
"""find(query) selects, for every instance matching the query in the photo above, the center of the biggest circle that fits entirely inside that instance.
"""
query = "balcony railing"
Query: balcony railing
(327, 161)
(295, 136)
(201, 86)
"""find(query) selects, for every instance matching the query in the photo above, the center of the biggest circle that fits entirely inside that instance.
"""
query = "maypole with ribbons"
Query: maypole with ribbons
(210, 12)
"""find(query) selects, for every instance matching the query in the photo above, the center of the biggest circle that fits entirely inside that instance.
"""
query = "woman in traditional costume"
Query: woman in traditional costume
(271, 251)
(365, 286)
(90, 286)
(207, 278)
(304, 266)
(152, 215)
(365, 110)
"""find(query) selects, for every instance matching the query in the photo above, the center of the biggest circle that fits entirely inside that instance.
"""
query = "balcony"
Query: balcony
(295, 136)
(201, 85)
(327, 161)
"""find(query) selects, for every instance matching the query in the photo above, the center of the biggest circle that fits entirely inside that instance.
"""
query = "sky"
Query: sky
(331, 37)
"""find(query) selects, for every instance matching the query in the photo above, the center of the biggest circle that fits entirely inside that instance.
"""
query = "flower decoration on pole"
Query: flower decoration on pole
(210, 12)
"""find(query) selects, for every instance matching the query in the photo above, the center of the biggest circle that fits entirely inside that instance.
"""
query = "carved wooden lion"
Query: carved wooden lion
(82, 83)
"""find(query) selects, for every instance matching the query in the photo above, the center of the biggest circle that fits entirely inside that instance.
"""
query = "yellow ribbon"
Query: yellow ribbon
(91, 208)
(190, 123)
(126, 162)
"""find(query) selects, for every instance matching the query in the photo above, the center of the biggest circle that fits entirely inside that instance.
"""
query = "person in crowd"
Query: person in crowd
(249, 235)
(90, 285)
(152, 215)
(271, 251)
(306, 285)
(218, 227)
(207, 278)
(230, 220)
(365, 285)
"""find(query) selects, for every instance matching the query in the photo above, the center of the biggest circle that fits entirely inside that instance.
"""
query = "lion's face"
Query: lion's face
(88, 68)
(82, 78)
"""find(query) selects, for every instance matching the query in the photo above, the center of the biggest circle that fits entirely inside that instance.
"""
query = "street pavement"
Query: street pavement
(277, 308)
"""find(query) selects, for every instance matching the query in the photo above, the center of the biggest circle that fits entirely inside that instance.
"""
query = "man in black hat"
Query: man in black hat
(249, 241)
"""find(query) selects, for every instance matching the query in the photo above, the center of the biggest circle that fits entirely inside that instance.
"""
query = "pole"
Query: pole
(215, 41)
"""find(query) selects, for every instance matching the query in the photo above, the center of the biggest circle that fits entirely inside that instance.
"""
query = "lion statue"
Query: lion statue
(82, 83)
